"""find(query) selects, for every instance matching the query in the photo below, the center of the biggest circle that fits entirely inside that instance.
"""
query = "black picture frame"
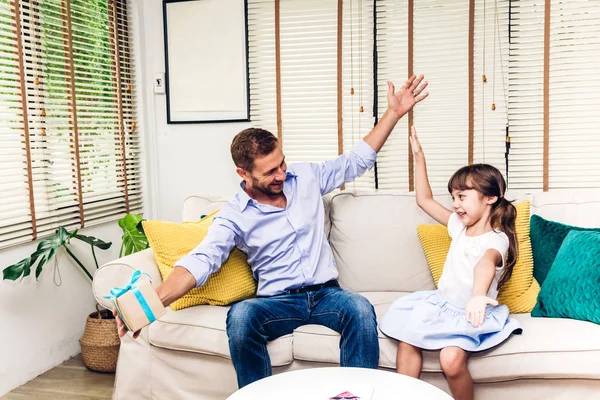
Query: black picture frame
(178, 93)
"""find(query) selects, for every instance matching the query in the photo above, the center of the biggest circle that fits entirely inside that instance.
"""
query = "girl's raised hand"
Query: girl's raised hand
(475, 310)
(414, 142)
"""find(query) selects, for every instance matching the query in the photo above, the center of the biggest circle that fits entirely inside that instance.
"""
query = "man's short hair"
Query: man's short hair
(250, 144)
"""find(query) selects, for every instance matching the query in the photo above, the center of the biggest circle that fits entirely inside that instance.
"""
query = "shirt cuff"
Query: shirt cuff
(365, 152)
(196, 267)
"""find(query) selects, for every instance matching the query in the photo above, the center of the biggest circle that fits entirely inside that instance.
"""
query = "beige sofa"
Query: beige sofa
(185, 355)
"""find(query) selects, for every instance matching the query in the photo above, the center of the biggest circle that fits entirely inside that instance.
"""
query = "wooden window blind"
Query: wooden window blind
(73, 155)
(357, 87)
(540, 59)
(526, 94)
(490, 58)
(296, 44)
(392, 37)
(574, 95)
(439, 50)
(554, 95)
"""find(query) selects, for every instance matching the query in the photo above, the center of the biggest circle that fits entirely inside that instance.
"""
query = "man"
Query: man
(277, 220)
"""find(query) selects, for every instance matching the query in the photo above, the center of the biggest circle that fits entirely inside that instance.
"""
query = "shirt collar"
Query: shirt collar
(243, 197)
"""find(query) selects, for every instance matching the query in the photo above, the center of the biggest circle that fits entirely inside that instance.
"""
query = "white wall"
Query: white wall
(184, 159)
(40, 322)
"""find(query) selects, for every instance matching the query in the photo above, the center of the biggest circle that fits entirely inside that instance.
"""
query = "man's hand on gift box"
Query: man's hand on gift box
(177, 284)
(122, 329)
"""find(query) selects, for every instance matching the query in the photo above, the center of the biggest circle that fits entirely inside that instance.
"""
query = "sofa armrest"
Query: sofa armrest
(118, 272)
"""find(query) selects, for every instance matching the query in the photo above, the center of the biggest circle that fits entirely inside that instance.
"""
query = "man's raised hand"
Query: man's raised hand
(409, 94)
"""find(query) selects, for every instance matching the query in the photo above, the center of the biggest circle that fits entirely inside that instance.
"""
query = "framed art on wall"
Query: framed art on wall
(206, 61)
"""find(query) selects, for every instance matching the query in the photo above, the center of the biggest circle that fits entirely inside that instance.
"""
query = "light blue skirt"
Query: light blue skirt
(426, 320)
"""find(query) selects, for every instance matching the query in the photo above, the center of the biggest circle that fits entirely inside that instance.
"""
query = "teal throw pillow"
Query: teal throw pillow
(572, 287)
(546, 238)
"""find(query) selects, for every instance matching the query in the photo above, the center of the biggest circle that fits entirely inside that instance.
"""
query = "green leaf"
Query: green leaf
(93, 241)
(140, 227)
(15, 271)
(133, 239)
(45, 251)
(46, 256)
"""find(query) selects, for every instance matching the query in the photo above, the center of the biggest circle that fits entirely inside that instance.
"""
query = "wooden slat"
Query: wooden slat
(25, 108)
(278, 71)
(411, 39)
(340, 125)
(116, 61)
(471, 67)
(70, 68)
(546, 94)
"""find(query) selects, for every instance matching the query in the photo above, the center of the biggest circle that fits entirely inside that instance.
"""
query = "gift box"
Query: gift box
(137, 303)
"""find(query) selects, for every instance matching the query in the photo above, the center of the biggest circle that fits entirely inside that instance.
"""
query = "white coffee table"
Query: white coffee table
(330, 383)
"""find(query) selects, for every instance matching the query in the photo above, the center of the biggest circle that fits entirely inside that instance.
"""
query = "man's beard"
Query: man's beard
(265, 190)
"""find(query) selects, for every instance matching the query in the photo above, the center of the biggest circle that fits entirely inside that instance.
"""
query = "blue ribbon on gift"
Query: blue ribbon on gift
(133, 286)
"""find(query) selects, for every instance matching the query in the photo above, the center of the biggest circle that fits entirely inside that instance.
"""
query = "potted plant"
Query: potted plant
(100, 342)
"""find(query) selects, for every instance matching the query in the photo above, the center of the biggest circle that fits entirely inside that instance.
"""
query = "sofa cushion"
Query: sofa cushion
(374, 241)
(579, 208)
(201, 329)
(546, 238)
(194, 207)
(571, 350)
(572, 287)
(320, 344)
(171, 241)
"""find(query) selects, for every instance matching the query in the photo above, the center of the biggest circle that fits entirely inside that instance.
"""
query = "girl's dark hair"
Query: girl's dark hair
(488, 181)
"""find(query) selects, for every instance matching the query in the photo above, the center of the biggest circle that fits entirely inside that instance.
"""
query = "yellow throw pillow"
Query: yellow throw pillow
(520, 292)
(171, 241)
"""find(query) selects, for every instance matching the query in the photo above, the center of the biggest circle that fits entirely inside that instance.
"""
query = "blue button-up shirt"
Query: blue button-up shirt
(286, 248)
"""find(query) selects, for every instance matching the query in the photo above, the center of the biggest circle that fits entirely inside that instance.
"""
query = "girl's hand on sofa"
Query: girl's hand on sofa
(475, 310)
(121, 328)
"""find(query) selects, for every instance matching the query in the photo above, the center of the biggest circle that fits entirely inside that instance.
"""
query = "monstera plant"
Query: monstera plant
(134, 239)
(46, 251)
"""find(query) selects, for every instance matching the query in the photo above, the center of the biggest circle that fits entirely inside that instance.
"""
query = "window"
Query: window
(70, 144)
(541, 86)
(294, 75)
(308, 81)
(555, 130)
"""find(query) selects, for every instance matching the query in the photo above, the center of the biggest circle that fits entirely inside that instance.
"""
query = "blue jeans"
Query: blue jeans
(251, 323)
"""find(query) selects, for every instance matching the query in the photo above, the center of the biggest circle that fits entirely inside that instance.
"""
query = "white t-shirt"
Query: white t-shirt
(456, 283)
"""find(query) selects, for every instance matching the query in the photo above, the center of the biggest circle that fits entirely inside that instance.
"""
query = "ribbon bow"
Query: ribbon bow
(116, 292)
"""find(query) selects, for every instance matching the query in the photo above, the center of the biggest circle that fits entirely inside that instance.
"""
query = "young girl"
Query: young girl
(462, 316)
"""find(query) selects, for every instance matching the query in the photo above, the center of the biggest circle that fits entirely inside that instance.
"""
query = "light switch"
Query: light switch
(159, 83)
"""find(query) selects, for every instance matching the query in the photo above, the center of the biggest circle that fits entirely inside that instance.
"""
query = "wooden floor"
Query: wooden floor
(69, 381)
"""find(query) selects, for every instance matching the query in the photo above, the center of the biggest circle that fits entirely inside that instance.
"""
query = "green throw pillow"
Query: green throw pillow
(546, 237)
(572, 287)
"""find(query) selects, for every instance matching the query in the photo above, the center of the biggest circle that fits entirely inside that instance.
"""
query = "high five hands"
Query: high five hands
(409, 94)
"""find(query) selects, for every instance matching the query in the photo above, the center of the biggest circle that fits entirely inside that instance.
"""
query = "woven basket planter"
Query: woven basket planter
(100, 342)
